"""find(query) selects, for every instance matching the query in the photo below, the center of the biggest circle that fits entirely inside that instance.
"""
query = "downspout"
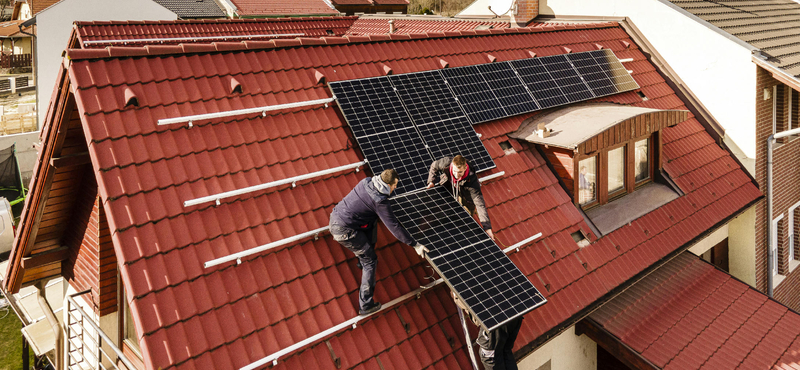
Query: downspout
(34, 44)
(51, 318)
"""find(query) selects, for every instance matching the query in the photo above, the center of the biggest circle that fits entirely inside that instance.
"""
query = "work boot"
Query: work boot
(370, 309)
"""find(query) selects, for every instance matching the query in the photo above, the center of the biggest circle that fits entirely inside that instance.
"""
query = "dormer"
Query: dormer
(604, 152)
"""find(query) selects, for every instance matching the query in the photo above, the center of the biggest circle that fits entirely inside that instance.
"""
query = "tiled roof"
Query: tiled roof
(282, 7)
(193, 8)
(229, 316)
(690, 315)
(376, 26)
(10, 28)
(39, 5)
(115, 30)
(770, 25)
(369, 2)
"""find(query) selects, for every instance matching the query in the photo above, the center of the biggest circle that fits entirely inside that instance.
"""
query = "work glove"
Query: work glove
(421, 250)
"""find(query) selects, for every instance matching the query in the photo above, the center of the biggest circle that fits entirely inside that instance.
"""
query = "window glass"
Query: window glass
(587, 180)
(641, 165)
(130, 329)
(616, 169)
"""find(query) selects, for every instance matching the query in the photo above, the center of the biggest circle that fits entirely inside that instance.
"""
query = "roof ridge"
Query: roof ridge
(161, 50)
(212, 21)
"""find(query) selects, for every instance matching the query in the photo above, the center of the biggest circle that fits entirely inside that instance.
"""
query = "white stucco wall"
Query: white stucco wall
(717, 69)
(565, 352)
(54, 26)
(741, 247)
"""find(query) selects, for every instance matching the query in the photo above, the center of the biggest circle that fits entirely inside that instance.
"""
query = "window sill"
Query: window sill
(793, 265)
(777, 279)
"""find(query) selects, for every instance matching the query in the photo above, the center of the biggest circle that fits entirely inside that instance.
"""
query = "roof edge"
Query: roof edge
(777, 73)
(586, 311)
(161, 50)
(709, 25)
(209, 21)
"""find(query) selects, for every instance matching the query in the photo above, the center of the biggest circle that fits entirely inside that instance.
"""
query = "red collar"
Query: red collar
(453, 176)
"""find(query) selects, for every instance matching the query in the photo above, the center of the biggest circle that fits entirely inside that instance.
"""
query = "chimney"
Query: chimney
(523, 11)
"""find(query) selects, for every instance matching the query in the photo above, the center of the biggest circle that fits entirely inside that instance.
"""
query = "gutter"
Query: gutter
(709, 25)
(779, 74)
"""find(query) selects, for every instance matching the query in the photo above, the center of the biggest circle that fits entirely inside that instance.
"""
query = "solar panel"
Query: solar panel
(508, 88)
(383, 130)
(456, 136)
(474, 267)
(426, 97)
(613, 68)
(474, 93)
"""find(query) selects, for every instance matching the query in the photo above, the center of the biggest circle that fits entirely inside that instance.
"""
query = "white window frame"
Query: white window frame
(791, 92)
(774, 109)
(774, 245)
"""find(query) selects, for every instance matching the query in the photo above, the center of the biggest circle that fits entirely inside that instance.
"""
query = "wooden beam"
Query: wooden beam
(71, 160)
(613, 345)
(58, 254)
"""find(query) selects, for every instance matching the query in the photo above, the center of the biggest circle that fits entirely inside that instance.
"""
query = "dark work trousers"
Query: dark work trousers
(496, 346)
(362, 243)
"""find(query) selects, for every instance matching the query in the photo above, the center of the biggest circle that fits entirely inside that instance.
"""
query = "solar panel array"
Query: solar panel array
(474, 267)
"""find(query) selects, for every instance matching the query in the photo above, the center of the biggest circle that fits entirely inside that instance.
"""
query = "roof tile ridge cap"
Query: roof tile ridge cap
(83, 54)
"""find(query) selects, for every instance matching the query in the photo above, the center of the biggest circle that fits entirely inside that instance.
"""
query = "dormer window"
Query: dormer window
(604, 153)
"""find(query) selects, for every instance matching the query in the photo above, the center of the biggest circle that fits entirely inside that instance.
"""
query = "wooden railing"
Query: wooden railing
(15, 60)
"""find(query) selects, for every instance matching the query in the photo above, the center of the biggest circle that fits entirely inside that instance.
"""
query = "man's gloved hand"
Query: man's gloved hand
(421, 250)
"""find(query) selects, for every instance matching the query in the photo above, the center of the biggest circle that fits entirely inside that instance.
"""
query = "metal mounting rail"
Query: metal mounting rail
(273, 358)
(239, 112)
(203, 38)
(291, 180)
(238, 256)
(492, 176)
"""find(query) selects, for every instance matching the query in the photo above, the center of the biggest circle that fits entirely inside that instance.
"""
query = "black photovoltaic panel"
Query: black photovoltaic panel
(474, 267)
(474, 94)
(456, 136)
(613, 68)
(552, 80)
(444, 127)
(426, 97)
(508, 88)
(384, 131)
(370, 105)
(593, 73)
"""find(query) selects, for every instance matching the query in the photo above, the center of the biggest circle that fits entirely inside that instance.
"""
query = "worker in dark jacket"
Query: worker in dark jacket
(496, 346)
(353, 223)
(458, 175)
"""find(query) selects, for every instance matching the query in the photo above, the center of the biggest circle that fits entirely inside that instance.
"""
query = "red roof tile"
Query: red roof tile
(237, 314)
(371, 26)
(282, 7)
(690, 315)
(158, 31)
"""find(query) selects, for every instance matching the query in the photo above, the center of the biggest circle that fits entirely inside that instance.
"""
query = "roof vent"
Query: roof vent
(626, 44)
(598, 46)
(391, 26)
(319, 77)
(580, 238)
(531, 54)
(130, 98)
(542, 131)
(443, 63)
(491, 57)
(387, 70)
(484, 27)
(566, 49)
(236, 87)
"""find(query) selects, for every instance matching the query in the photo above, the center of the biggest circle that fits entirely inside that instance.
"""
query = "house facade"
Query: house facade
(739, 62)
(131, 212)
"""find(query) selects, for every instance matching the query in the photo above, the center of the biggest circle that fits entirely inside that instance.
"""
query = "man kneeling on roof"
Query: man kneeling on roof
(353, 223)
(458, 177)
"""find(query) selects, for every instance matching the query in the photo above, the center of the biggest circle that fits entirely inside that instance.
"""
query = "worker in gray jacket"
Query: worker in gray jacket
(458, 175)
(353, 223)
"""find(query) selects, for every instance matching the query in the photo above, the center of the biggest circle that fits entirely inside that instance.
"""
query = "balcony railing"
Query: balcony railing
(15, 60)
(86, 345)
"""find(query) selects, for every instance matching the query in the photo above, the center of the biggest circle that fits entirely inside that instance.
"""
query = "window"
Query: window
(587, 182)
(608, 174)
(776, 226)
(794, 233)
(616, 170)
(127, 328)
(641, 162)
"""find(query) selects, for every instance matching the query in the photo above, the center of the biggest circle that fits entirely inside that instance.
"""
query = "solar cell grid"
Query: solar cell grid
(402, 150)
(509, 89)
(474, 94)
(543, 86)
(493, 288)
(426, 97)
(370, 105)
(456, 136)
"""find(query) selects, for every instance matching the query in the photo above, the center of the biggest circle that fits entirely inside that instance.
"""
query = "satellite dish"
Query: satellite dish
(500, 7)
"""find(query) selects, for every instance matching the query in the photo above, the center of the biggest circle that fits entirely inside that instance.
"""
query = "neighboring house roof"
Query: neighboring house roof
(39, 5)
(368, 25)
(11, 29)
(770, 25)
(193, 8)
(690, 315)
(282, 7)
(370, 2)
(179, 30)
(231, 315)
